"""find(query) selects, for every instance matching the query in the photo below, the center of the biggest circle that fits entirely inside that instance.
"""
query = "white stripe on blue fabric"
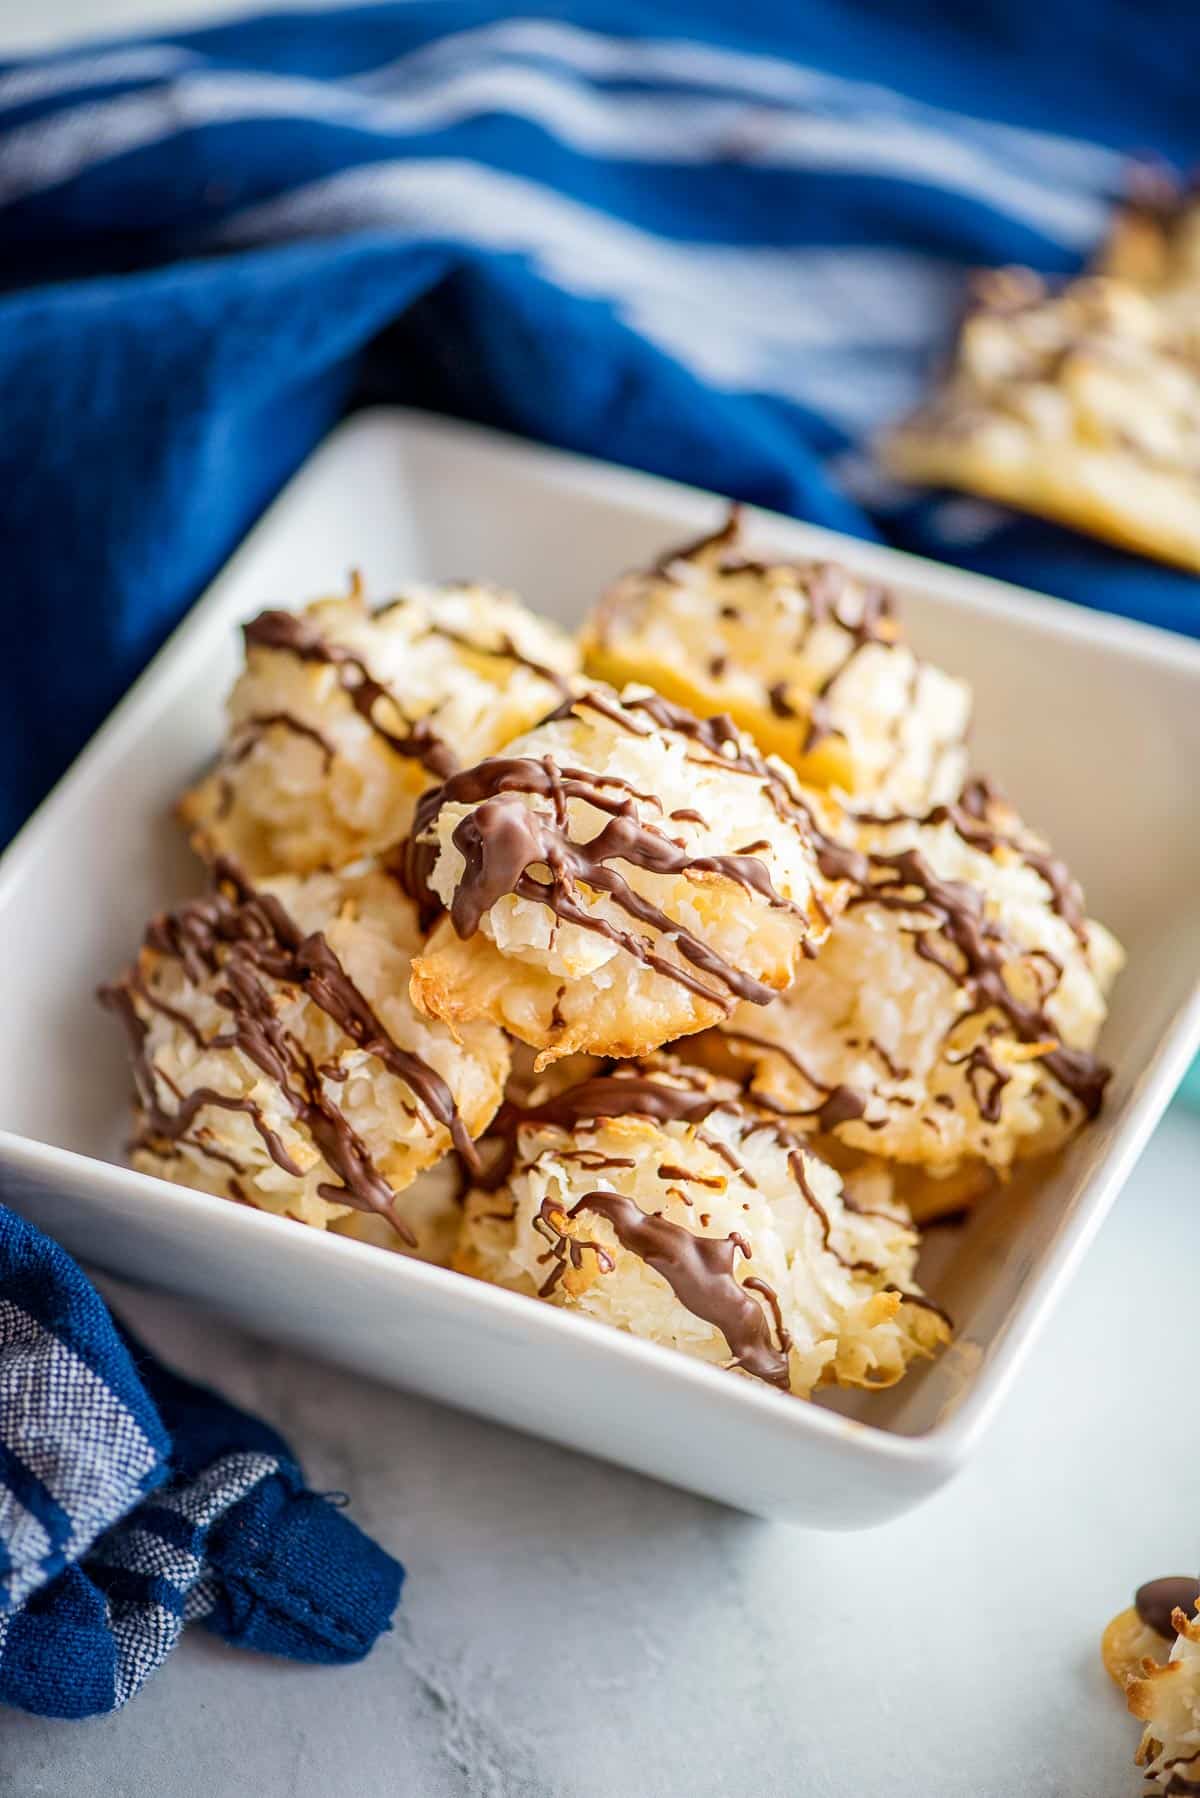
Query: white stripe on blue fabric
(206, 1498)
(138, 1548)
(752, 74)
(70, 1430)
(145, 1632)
(202, 1597)
(139, 62)
(807, 297)
(657, 127)
(650, 127)
(56, 148)
(143, 1636)
(28, 1545)
(734, 316)
(682, 62)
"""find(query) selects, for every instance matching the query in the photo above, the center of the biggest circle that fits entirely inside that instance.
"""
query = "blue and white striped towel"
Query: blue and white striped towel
(719, 241)
(132, 1503)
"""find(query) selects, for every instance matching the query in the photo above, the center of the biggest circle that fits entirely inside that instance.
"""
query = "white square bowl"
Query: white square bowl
(1092, 724)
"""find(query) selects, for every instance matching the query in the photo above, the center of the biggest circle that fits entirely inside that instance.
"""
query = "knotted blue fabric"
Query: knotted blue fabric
(133, 1502)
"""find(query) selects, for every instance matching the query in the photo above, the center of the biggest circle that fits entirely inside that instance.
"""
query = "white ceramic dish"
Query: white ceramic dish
(1093, 725)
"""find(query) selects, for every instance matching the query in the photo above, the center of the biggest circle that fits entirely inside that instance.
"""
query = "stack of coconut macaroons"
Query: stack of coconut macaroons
(667, 975)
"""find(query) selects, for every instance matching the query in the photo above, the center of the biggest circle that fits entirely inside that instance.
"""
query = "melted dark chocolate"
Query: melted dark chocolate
(499, 847)
(615, 1095)
(502, 839)
(825, 587)
(257, 726)
(1158, 1598)
(725, 534)
(248, 939)
(754, 1284)
(841, 1106)
(670, 1170)
(699, 1271)
(293, 634)
(969, 819)
(643, 1095)
(904, 881)
(838, 1104)
(564, 1248)
(505, 648)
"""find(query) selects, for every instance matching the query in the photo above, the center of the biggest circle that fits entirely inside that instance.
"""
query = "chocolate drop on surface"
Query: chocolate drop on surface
(1155, 1601)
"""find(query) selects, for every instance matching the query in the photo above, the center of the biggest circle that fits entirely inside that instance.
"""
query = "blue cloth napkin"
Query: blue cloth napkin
(132, 1502)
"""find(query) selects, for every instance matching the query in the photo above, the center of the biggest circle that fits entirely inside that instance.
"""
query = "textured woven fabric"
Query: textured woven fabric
(132, 1502)
(720, 241)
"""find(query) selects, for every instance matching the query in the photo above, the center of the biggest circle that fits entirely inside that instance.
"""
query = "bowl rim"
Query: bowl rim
(943, 1447)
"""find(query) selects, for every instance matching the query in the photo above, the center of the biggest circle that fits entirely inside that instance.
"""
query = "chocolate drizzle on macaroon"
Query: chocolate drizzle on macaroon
(978, 949)
(698, 1269)
(247, 939)
(1158, 1600)
(629, 1093)
(972, 817)
(974, 954)
(826, 589)
(502, 839)
(293, 634)
(256, 727)
(838, 1104)
(629, 1089)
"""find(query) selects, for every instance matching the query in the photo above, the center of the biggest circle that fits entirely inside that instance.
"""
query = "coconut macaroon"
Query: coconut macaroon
(807, 657)
(1147, 1630)
(1154, 239)
(1164, 1695)
(343, 715)
(948, 1023)
(621, 876)
(652, 1198)
(278, 1059)
(1081, 403)
(432, 1213)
